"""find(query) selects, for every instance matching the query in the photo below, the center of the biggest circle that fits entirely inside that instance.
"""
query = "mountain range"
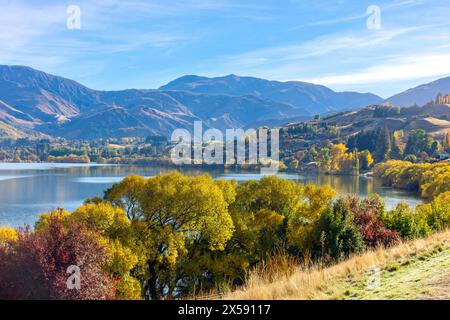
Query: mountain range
(422, 94)
(34, 103)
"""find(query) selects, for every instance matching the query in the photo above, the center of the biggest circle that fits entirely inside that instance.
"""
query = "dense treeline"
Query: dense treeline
(338, 159)
(429, 179)
(359, 151)
(311, 131)
(305, 147)
(173, 235)
(335, 159)
(124, 150)
(386, 145)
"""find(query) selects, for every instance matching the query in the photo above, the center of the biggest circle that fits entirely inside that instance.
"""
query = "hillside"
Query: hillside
(413, 270)
(433, 118)
(48, 104)
(422, 94)
(9, 131)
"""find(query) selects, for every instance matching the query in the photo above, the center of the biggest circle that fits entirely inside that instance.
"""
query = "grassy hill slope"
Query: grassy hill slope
(9, 131)
(413, 270)
(432, 118)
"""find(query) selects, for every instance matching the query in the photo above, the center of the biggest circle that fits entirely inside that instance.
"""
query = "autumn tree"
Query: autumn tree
(261, 213)
(337, 159)
(367, 213)
(171, 212)
(338, 156)
(7, 234)
(270, 214)
(398, 145)
(111, 228)
(126, 195)
(35, 265)
(115, 231)
(365, 160)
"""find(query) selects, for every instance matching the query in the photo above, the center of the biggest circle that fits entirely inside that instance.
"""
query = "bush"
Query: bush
(437, 212)
(406, 221)
(411, 158)
(367, 213)
(374, 232)
(336, 234)
(35, 265)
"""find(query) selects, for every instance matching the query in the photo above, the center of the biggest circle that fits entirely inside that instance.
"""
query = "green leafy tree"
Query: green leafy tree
(418, 141)
(436, 148)
(335, 234)
(405, 220)
(383, 145)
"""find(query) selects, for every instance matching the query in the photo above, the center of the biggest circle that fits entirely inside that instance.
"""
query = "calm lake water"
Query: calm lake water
(28, 189)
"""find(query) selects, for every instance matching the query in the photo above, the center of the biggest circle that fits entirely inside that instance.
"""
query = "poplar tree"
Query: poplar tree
(383, 145)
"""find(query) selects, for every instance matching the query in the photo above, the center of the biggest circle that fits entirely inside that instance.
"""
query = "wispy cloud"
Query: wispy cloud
(404, 3)
(36, 34)
(293, 56)
(349, 60)
(395, 5)
(20, 24)
(337, 20)
(405, 68)
(319, 47)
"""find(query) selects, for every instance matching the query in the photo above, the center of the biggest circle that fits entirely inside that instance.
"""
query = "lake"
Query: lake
(28, 189)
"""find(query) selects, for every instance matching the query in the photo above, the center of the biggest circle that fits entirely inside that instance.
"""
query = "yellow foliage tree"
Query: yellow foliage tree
(7, 234)
(170, 214)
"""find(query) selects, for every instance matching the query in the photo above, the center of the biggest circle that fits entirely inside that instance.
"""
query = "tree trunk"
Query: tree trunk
(152, 284)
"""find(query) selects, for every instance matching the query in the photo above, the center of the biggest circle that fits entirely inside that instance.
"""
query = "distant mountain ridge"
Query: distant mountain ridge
(422, 94)
(34, 103)
(315, 99)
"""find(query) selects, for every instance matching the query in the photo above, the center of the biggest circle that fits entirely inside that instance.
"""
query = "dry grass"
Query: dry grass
(313, 282)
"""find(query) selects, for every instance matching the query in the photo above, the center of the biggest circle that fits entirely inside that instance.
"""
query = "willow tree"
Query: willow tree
(170, 212)
(272, 213)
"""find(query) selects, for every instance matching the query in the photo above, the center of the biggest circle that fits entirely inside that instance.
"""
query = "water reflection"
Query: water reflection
(26, 190)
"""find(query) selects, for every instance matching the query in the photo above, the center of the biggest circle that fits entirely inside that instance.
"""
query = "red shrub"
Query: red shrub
(367, 217)
(35, 266)
(373, 230)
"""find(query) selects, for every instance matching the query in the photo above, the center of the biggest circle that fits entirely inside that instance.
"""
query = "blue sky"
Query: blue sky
(145, 44)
